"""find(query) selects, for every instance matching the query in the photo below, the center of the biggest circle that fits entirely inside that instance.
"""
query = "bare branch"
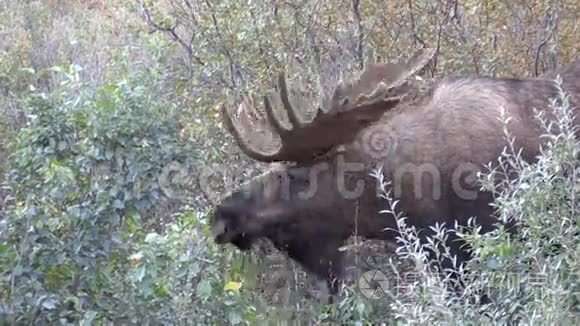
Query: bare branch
(416, 37)
(539, 50)
(360, 33)
(171, 31)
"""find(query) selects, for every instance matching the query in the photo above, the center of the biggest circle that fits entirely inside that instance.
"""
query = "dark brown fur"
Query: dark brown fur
(455, 123)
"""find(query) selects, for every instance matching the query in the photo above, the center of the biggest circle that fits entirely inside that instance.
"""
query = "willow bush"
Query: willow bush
(529, 278)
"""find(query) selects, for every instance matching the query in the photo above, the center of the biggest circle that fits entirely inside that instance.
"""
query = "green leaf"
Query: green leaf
(56, 69)
(109, 153)
(138, 274)
(204, 289)
(49, 303)
(62, 145)
(28, 70)
(235, 317)
(118, 204)
(88, 318)
(152, 237)
(323, 316)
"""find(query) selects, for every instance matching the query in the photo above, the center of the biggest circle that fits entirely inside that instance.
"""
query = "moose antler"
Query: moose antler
(295, 130)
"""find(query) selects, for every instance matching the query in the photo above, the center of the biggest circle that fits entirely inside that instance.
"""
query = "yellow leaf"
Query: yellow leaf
(234, 286)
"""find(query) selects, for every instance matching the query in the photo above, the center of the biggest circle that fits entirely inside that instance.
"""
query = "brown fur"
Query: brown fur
(456, 124)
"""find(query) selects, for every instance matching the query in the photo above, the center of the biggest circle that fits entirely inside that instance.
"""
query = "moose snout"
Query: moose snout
(218, 232)
(220, 239)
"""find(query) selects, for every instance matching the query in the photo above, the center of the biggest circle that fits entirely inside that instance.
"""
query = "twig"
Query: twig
(360, 32)
(171, 31)
(233, 63)
(538, 50)
(416, 37)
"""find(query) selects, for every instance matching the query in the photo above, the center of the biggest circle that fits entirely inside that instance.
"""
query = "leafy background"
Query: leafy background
(114, 152)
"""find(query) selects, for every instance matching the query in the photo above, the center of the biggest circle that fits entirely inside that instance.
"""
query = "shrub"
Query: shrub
(85, 179)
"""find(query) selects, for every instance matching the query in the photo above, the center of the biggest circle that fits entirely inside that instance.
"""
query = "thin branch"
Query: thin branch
(440, 26)
(416, 37)
(233, 63)
(539, 50)
(171, 31)
(259, 40)
(360, 33)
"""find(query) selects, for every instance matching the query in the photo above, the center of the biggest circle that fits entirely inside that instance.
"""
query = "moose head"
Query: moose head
(429, 145)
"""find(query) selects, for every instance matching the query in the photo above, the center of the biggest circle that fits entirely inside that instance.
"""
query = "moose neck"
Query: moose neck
(316, 249)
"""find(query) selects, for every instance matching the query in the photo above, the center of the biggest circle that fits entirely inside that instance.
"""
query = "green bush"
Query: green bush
(84, 175)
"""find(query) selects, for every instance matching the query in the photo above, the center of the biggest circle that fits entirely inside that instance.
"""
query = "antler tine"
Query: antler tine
(393, 79)
(247, 105)
(243, 130)
(292, 101)
(289, 133)
(287, 101)
(272, 103)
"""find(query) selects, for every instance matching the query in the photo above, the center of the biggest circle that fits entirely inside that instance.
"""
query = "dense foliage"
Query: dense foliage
(113, 154)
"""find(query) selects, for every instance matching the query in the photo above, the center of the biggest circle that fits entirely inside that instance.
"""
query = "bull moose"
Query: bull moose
(429, 143)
